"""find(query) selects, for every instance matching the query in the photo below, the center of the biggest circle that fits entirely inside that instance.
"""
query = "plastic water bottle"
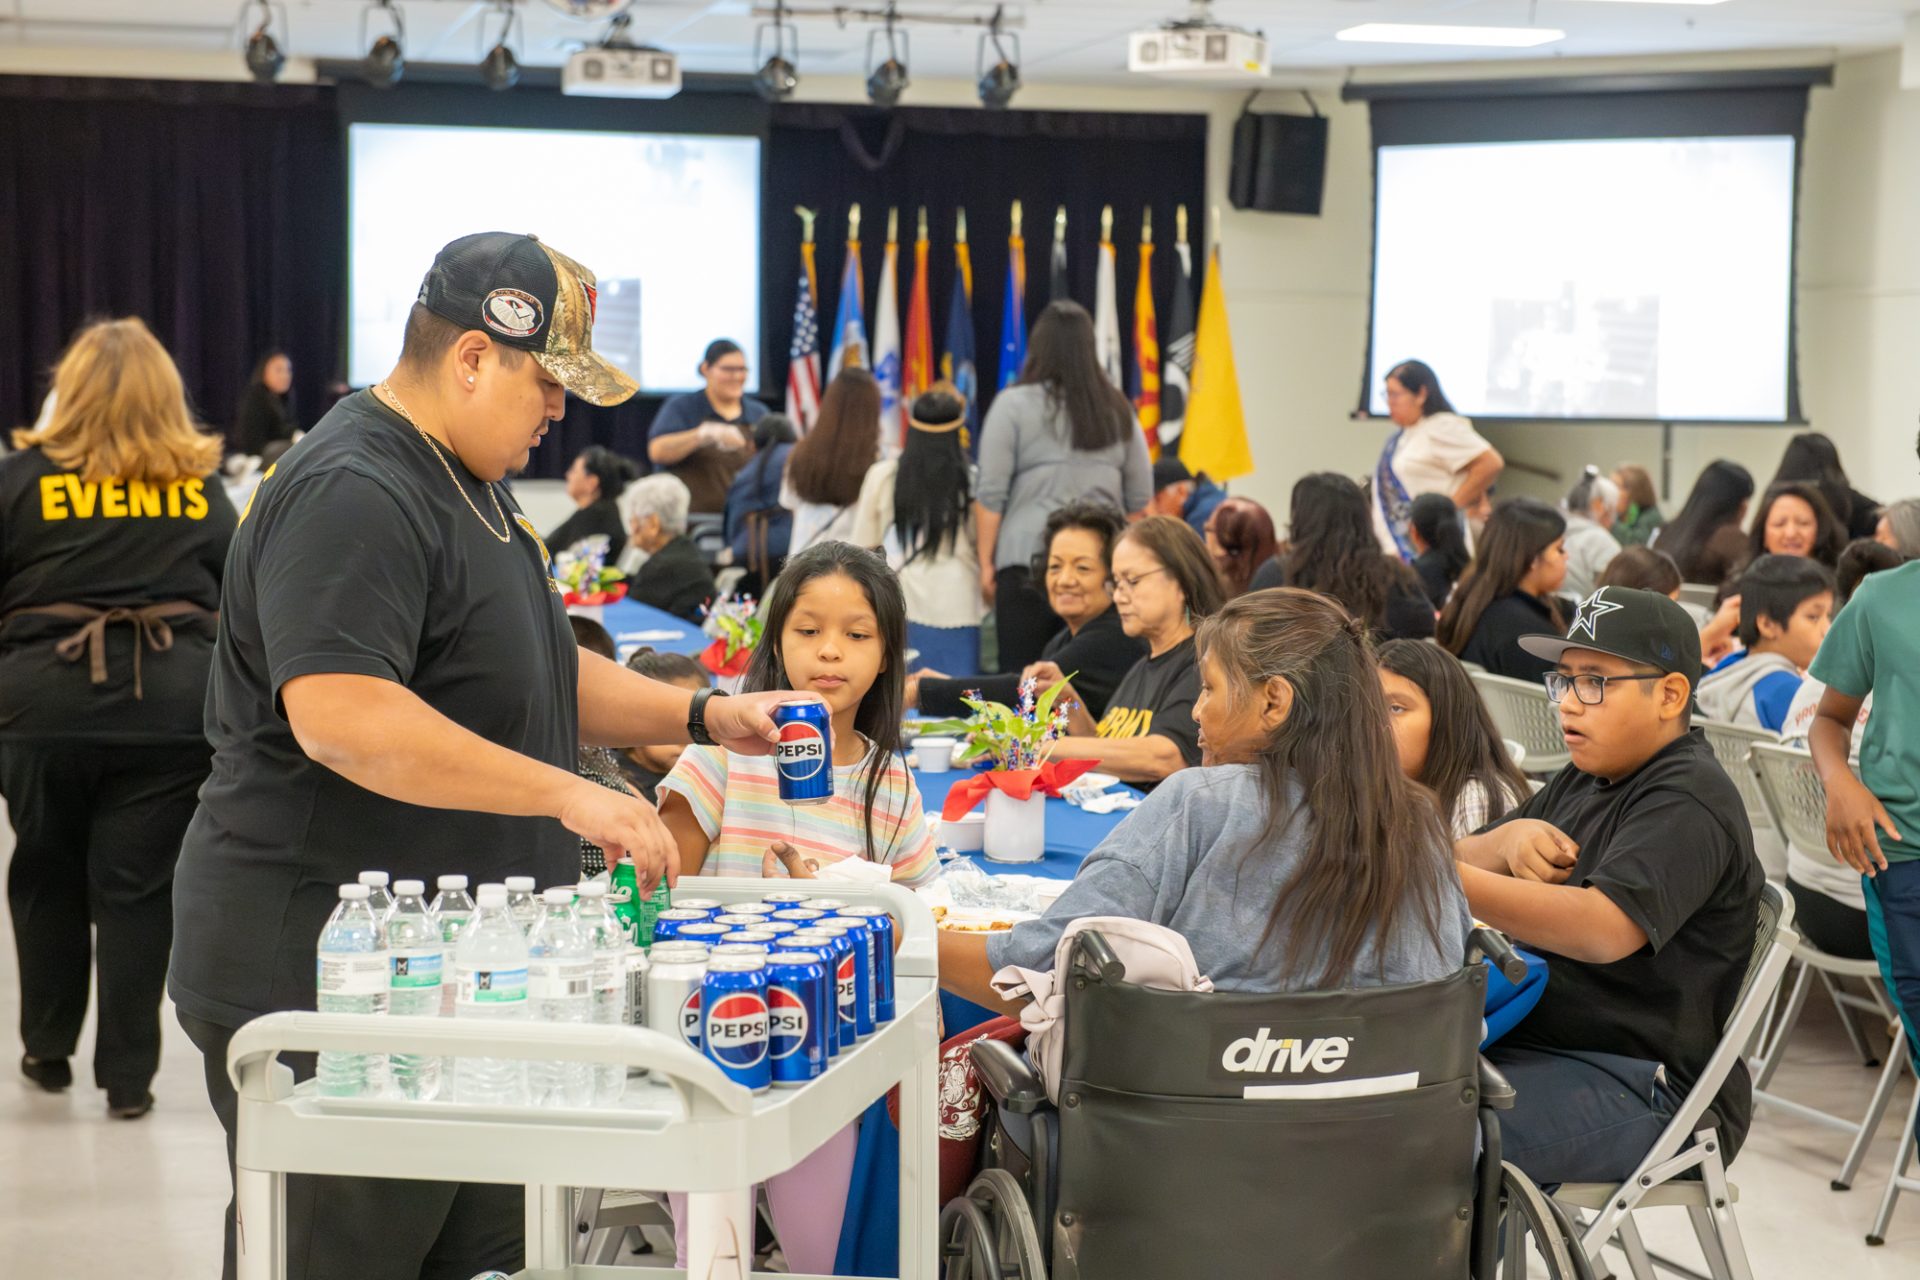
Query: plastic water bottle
(522, 905)
(609, 944)
(350, 975)
(452, 910)
(418, 959)
(490, 968)
(560, 985)
(379, 901)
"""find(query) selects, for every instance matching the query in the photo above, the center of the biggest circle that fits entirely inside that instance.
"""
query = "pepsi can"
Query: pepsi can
(827, 906)
(762, 909)
(760, 936)
(860, 934)
(743, 948)
(709, 907)
(666, 926)
(798, 1009)
(734, 1028)
(804, 757)
(838, 948)
(880, 920)
(781, 898)
(777, 927)
(800, 915)
(704, 932)
(737, 920)
(674, 974)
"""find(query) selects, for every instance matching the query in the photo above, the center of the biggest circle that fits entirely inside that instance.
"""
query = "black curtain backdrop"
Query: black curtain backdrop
(214, 212)
(217, 213)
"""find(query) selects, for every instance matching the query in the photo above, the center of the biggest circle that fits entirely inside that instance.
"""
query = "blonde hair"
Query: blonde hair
(120, 412)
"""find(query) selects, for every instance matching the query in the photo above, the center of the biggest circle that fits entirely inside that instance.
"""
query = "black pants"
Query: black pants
(373, 1228)
(1022, 618)
(1829, 924)
(97, 831)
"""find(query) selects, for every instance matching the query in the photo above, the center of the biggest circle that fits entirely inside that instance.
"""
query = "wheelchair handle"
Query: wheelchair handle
(1094, 957)
(1493, 944)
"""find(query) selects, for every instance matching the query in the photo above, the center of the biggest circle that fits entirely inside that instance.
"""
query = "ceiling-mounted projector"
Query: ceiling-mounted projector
(1200, 47)
(615, 72)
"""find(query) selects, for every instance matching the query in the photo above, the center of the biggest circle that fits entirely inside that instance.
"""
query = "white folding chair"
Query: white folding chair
(1797, 802)
(1685, 1146)
(1522, 714)
(1898, 1180)
(1730, 743)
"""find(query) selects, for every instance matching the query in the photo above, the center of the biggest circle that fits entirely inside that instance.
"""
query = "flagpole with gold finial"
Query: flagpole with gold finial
(1016, 219)
(1146, 225)
(1180, 224)
(960, 226)
(807, 217)
(1106, 222)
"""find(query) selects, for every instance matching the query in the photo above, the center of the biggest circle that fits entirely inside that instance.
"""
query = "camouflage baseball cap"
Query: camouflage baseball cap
(533, 298)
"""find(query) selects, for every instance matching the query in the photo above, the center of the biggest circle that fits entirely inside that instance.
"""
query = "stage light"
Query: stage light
(777, 79)
(264, 55)
(886, 80)
(500, 69)
(1001, 81)
(386, 60)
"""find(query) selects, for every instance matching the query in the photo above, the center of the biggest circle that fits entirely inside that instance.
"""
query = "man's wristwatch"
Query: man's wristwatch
(697, 716)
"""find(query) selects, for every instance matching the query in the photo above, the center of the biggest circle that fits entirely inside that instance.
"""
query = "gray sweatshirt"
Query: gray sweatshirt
(1750, 689)
(1029, 469)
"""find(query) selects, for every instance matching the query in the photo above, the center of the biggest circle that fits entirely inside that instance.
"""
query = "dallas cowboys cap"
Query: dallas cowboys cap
(527, 296)
(1642, 627)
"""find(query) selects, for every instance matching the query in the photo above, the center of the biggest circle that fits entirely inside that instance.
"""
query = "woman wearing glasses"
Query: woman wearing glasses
(1163, 584)
(704, 437)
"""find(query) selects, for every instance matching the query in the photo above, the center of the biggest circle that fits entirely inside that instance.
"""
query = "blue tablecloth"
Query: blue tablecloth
(629, 616)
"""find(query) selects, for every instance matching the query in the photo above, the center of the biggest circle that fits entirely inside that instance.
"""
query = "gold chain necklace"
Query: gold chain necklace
(386, 389)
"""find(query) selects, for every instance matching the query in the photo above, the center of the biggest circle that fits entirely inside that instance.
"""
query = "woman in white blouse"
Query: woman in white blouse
(918, 508)
(825, 470)
(1433, 450)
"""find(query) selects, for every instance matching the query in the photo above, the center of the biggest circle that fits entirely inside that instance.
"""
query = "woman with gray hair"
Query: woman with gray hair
(1592, 506)
(674, 576)
(1899, 527)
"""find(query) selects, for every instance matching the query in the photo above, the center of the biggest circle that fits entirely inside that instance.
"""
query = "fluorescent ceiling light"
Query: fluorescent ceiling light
(1420, 33)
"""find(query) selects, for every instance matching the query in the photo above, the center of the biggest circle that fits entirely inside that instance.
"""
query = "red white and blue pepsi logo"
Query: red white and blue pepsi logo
(789, 1021)
(736, 1029)
(802, 752)
(690, 1018)
(843, 981)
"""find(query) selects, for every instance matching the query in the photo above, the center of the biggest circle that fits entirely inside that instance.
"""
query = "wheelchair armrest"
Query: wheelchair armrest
(1010, 1078)
(1495, 1092)
(1094, 957)
(1493, 944)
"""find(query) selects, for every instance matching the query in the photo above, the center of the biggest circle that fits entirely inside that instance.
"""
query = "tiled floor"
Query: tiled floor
(84, 1196)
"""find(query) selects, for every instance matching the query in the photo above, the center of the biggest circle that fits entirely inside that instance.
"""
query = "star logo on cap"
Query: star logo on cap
(1591, 610)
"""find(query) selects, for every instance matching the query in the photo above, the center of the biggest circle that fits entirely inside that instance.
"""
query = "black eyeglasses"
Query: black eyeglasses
(1591, 690)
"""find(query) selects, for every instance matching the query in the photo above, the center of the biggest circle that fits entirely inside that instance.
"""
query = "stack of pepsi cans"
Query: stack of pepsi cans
(771, 992)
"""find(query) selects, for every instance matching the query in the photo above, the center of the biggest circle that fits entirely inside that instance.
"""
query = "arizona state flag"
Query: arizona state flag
(1144, 386)
(918, 370)
(1215, 440)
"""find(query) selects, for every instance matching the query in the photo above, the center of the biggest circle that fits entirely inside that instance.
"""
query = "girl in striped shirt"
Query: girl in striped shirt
(836, 627)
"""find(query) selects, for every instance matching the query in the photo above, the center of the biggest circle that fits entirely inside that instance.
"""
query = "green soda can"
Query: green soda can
(636, 913)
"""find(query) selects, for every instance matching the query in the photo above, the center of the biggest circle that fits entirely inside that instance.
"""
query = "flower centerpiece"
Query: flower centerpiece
(1018, 743)
(736, 627)
(588, 580)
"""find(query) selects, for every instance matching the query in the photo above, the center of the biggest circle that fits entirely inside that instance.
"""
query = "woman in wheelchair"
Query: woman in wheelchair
(1273, 892)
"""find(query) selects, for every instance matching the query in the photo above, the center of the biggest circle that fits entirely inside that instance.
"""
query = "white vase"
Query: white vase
(592, 612)
(1016, 829)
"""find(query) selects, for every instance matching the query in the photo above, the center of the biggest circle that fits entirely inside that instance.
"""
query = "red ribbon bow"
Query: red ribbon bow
(612, 595)
(1051, 779)
(714, 658)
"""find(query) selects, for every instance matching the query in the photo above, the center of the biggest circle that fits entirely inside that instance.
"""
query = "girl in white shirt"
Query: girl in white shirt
(1434, 450)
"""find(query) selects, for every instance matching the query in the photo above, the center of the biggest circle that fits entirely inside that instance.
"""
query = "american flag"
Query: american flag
(803, 357)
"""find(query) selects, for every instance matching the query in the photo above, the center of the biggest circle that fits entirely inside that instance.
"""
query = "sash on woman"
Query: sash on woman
(1396, 504)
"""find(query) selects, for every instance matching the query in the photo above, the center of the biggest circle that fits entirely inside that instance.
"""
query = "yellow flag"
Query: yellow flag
(1215, 439)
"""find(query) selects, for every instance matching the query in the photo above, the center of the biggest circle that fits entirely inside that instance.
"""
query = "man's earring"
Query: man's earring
(469, 379)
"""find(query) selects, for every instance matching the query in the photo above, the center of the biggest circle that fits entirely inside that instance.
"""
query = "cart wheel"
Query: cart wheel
(1553, 1235)
(1016, 1241)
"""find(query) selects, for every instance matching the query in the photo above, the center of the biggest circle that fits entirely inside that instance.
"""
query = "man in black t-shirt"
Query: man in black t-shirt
(1633, 872)
(395, 686)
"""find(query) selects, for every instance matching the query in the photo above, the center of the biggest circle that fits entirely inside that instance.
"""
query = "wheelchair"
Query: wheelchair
(1305, 1136)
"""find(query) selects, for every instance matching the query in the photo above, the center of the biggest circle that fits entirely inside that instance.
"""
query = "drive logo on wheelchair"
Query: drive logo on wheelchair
(1287, 1055)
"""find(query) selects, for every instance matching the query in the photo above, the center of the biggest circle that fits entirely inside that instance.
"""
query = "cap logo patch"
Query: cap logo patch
(593, 301)
(512, 312)
(1591, 610)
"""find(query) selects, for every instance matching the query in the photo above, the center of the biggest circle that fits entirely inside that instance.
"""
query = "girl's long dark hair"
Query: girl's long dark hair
(1811, 458)
(1438, 523)
(933, 489)
(878, 716)
(1331, 547)
(1517, 532)
(829, 464)
(1244, 531)
(1417, 376)
(613, 472)
(1713, 504)
(1830, 535)
(1377, 856)
(1061, 357)
(1463, 745)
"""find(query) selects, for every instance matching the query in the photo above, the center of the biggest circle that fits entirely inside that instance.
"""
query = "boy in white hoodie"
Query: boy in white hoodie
(1786, 605)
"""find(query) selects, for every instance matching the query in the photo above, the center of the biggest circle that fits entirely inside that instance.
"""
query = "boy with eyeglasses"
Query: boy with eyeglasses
(1633, 873)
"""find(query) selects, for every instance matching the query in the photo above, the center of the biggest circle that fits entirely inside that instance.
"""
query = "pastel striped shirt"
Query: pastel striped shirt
(736, 801)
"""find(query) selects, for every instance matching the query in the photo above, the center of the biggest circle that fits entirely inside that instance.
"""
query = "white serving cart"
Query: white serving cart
(685, 1127)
